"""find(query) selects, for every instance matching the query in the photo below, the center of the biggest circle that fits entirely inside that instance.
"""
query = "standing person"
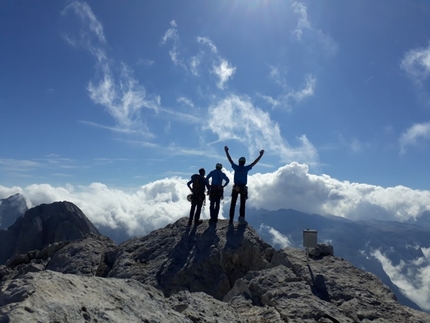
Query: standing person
(216, 190)
(197, 186)
(239, 187)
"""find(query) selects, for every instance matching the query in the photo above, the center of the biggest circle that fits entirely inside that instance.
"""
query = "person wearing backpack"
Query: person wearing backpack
(197, 185)
(239, 187)
(216, 190)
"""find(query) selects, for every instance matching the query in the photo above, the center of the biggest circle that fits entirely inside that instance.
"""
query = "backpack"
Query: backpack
(198, 187)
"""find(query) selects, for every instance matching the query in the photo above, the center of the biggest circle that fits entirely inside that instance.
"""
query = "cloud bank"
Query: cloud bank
(413, 278)
(158, 203)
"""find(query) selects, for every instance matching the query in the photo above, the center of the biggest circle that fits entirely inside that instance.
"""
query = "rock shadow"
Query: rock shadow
(319, 287)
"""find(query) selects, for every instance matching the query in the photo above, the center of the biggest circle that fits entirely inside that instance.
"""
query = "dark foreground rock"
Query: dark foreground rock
(43, 225)
(180, 273)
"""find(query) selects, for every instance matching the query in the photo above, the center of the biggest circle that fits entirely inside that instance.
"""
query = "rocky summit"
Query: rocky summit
(180, 273)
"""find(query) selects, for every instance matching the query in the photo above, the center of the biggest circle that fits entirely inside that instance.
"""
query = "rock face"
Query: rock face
(42, 225)
(199, 259)
(208, 273)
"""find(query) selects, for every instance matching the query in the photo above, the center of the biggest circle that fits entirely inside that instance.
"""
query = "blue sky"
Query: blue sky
(125, 95)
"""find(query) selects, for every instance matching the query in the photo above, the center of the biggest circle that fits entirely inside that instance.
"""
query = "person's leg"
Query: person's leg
(216, 208)
(193, 208)
(198, 211)
(234, 195)
(242, 205)
(212, 208)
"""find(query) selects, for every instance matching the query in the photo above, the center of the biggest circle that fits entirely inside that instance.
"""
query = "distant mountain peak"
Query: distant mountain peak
(11, 209)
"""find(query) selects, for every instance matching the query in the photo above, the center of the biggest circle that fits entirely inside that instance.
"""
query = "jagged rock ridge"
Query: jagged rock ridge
(191, 274)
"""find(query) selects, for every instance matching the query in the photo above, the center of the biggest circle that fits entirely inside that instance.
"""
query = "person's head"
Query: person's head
(218, 166)
(242, 161)
(202, 171)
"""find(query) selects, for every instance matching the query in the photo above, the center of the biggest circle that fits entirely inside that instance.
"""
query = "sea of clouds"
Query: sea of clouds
(158, 203)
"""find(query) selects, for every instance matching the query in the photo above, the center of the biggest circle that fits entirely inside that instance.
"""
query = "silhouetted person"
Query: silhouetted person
(239, 187)
(197, 185)
(216, 190)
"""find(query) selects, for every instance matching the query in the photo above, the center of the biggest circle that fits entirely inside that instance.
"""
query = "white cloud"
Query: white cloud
(224, 71)
(150, 207)
(18, 165)
(316, 37)
(411, 136)
(416, 63)
(207, 41)
(289, 95)
(186, 101)
(194, 65)
(414, 282)
(303, 22)
(307, 91)
(83, 10)
(256, 130)
(278, 239)
(171, 33)
(122, 96)
(156, 204)
(292, 186)
(123, 99)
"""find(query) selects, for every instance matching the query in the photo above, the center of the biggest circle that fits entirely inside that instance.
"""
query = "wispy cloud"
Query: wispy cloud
(207, 41)
(19, 165)
(172, 35)
(304, 29)
(412, 135)
(278, 239)
(416, 63)
(289, 96)
(236, 118)
(115, 129)
(221, 67)
(224, 71)
(186, 101)
(122, 96)
(303, 22)
(83, 10)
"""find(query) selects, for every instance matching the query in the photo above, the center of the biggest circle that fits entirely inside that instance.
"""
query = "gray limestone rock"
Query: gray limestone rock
(207, 258)
(54, 297)
(180, 273)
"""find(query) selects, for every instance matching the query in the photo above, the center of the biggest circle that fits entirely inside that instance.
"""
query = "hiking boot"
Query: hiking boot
(190, 222)
(230, 222)
(198, 222)
(242, 220)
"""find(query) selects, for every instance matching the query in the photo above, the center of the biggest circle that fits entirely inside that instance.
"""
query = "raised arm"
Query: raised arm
(228, 155)
(258, 158)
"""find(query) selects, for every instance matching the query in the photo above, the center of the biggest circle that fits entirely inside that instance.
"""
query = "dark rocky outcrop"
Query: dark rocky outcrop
(206, 273)
(43, 225)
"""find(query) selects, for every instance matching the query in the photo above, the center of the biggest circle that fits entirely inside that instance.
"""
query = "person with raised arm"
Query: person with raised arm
(239, 187)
